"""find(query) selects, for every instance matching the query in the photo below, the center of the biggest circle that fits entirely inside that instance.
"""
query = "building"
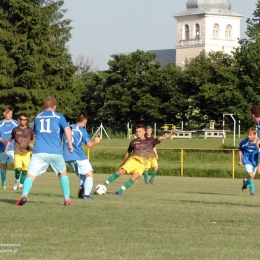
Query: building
(208, 25)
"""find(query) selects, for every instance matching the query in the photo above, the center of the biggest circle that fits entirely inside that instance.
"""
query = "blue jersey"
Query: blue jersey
(79, 137)
(249, 152)
(6, 128)
(48, 128)
(258, 129)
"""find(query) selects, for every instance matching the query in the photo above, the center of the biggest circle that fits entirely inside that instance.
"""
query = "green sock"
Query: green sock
(17, 173)
(146, 176)
(127, 185)
(251, 186)
(23, 176)
(113, 177)
(3, 176)
(154, 172)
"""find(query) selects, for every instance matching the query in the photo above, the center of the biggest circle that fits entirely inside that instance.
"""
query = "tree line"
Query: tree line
(35, 62)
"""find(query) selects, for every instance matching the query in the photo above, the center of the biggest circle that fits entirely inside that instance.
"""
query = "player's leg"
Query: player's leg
(114, 176)
(17, 171)
(88, 185)
(251, 180)
(146, 173)
(25, 164)
(37, 166)
(3, 160)
(154, 171)
(137, 168)
(10, 159)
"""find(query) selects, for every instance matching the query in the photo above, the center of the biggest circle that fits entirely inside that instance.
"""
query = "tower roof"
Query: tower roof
(214, 7)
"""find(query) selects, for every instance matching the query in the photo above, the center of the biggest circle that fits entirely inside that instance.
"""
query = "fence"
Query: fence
(182, 158)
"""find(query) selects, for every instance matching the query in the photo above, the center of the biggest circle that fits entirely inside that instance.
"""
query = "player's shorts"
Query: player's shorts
(81, 167)
(7, 158)
(22, 161)
(41, 161)
(250, 168)
(133, 165)
(151, 163)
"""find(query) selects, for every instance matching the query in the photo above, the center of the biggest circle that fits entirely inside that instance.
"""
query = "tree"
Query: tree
(248, 63)
(34, 61)
(210, 83)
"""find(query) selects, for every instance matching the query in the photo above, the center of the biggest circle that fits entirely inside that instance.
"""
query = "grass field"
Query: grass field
(177, 218)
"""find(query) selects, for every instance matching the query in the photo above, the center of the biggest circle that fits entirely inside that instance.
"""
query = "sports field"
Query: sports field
(177, 218)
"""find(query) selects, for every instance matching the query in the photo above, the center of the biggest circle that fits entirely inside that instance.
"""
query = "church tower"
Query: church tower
(208, 25)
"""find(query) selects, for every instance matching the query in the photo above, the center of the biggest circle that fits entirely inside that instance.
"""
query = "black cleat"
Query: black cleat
(81, 192)
(21, 201)
(244, 185)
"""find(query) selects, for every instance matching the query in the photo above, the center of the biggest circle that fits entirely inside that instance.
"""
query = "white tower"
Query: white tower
(208, 25)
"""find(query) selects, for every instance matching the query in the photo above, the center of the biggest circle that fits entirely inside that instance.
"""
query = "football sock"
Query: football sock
(23, 176)
(146, 176)
(88, 184)
(27, 186)
(154, 172)
(65, 186)
(127, 185)
(251, 186)
(247, 182)
(82, 179)
(17, 173)
(3, 176)
(113, 177)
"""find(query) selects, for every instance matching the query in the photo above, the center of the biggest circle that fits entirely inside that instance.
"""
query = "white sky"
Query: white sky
(104, 27)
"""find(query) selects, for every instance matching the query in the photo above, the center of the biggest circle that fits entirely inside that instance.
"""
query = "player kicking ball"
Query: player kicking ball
(136, 157)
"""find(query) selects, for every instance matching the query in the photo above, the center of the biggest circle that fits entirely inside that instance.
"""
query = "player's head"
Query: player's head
(140, 131)
(255, 110)
(23, 119)
(8, 113)
(251, 133)
(50, 103)
(148, 130)
(82, 119)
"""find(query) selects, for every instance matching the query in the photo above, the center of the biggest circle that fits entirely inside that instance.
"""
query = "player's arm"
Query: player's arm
(126, 156)
(3, 141)
(68, 134)
(7, 143)
(167, 135)
(155, 152)
(240, 157)
(95, 141)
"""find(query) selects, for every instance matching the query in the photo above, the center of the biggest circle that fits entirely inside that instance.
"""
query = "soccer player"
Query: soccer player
(255, 110)
(248, 156)
(136, 157)
(6, 127)
(49, 127)
(23, 137)
(78, 159)
(152, 162)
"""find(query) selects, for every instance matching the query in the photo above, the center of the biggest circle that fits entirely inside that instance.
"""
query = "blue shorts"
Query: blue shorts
(7, 158)
(41, 161)
(250, 168)
(81, 167)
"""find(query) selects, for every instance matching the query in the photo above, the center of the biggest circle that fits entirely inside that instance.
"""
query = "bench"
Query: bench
(183, 134)
(211, 133)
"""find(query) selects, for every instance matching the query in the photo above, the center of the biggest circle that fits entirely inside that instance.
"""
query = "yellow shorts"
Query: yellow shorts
(151, 163)
(133, 165)
(22, 161)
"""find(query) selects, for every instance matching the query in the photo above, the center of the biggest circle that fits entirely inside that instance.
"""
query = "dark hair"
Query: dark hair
(8, 109)
(256, 110)
(140, 126)
(23, 114)
(81, 117)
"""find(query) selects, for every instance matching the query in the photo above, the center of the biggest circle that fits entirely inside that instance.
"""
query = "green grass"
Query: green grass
(177, 218)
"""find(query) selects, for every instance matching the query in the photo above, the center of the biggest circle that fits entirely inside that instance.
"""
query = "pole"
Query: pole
(223, 129)
(154, 130)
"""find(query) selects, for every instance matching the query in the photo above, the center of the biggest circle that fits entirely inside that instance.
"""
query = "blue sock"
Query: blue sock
(82, 179)
(252, 186)
(88, 184)
(3, 176)
(65, 185)
(27, 185)
(247, 182)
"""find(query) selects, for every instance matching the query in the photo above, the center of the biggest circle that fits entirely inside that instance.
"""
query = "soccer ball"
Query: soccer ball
(101, 189)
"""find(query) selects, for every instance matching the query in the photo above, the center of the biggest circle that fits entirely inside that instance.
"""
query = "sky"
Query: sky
(105, 27)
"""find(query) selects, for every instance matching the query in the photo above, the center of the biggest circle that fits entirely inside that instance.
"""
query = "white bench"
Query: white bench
(211, 133)
(183, 134)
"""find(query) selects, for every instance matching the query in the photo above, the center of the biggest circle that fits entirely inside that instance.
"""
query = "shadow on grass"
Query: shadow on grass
(218, 203)
(211, 193)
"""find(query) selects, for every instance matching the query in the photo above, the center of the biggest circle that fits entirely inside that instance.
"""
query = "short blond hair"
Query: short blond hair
(252, 130)
(49, 102)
